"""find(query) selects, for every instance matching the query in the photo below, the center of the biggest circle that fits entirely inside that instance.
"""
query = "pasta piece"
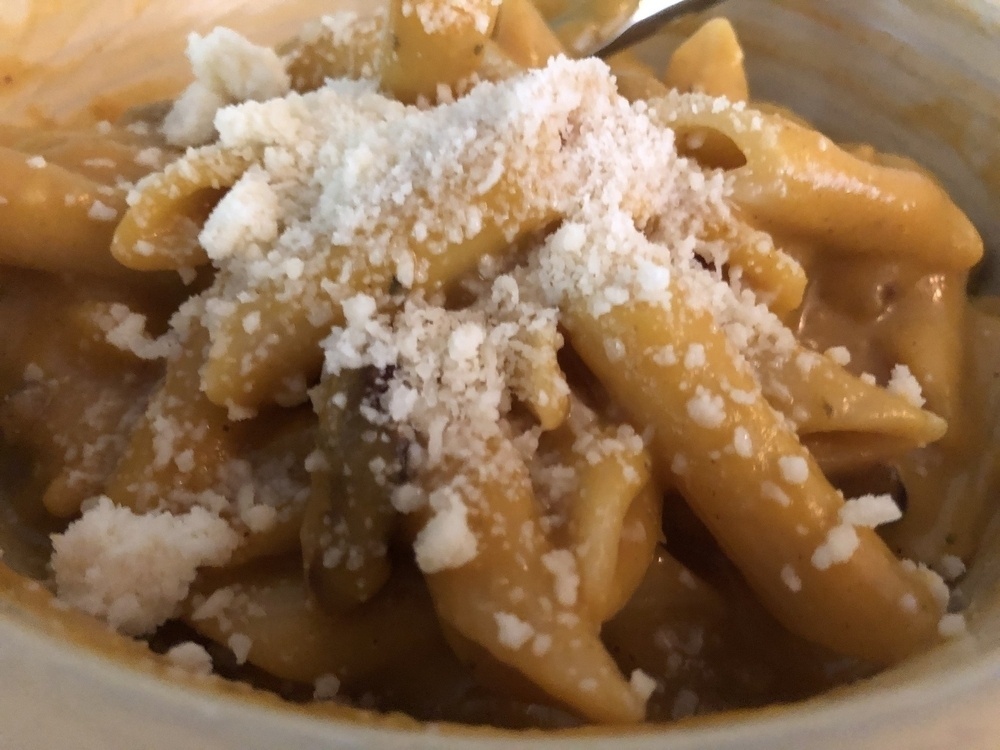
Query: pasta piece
(524, 36)
(529, 622)
(798, 183)
(918, 332)
(349, 519)
(852, 605)
(430, 44)
(345, 45)
(948, 485)
(185, 452)
(286, 341)
(882, 314)
(709, 61)
(636, 82)
(820, 396)
(751, 257)
(612, 513)
(160, 230)
(264, 615)
(53, 219)
(72, 395)
(497, 189)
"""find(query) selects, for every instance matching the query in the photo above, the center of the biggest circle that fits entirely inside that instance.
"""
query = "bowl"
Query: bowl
(911, 77)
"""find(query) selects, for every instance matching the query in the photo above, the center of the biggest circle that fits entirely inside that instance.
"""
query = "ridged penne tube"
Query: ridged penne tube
(785, 511)
(798, 182)
(289, 637)
(54, 219)
(346, 45)
(525, 618)
(348, 519)
(428, 46)
(709, 61)
(160, 229)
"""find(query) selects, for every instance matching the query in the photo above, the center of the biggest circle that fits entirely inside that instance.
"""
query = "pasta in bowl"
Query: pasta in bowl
(445, 373)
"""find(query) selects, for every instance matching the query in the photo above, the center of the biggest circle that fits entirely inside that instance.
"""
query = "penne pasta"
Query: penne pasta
(446, 374)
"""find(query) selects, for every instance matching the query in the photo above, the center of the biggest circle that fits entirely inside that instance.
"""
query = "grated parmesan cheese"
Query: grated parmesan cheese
(512, 631)
(240, 644)
(191, 657)
(100, 212)
(326, 687)
(838, 547)
(791, 579)
(903, 383)
(643, 686)
(794, 469)
(133, 570)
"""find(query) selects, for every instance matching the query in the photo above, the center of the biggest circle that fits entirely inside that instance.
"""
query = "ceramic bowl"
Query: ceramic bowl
(910, 76)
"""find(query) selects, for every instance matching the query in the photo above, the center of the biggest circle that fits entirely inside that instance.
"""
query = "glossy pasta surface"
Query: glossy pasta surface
(418, 366)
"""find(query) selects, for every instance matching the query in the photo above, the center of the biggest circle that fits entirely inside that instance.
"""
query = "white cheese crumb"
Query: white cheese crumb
(259, 518)
(100, 212)
(951, 567)
(695, 357)
(908, 602)
(679, 464)
(742, 443)
(512, 631)
(771, 491)
(840, 355)
(838, 547)
(36, 162)
(33, 373)
(541, 644)
(870, 511)
(794, 469)
(190, 121)
(246, 217)
(151, 157)
(665, 357)
(191, 657)
(903, 383)
(240, 644)
(126, 330)
(326, 687)
(446, 541)
(562, 565)
(643, 686)
(706, 409)
(791, 579)
(235, 68)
